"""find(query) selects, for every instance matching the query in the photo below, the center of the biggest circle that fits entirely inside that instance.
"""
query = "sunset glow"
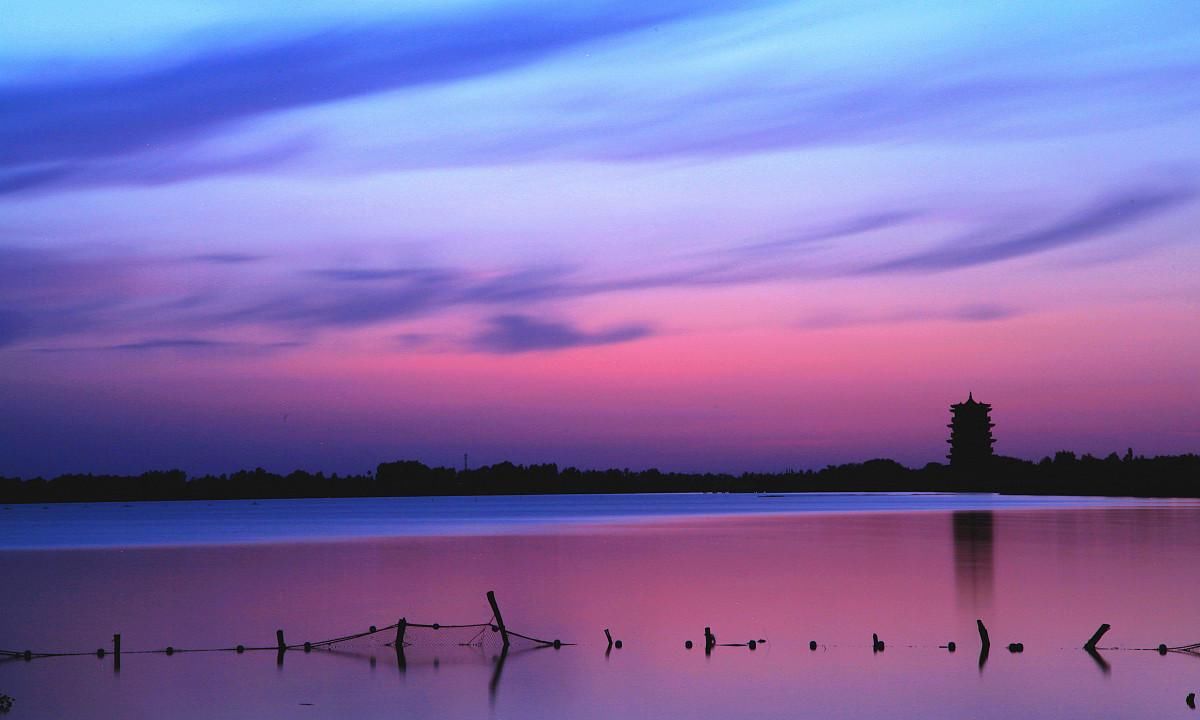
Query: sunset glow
(687, 235)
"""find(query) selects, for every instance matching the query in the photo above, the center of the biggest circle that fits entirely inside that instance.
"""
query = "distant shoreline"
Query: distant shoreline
(1065, 474)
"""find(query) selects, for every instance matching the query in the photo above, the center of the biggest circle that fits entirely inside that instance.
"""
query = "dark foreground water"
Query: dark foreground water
(917, 570)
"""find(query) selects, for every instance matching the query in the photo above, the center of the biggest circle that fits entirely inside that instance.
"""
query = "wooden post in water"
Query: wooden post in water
(401, 628)
(491, 596)
(983, 636)
(280, 648)
(608, 635)
(1090, 645)
(985, 644)
(117, 652)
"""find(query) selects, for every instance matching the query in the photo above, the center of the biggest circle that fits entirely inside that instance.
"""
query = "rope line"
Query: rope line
(1192, 650)
(493, 624)
(473, 641)
(533, 639)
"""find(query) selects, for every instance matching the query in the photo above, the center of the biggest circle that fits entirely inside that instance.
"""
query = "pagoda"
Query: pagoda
(970, 434)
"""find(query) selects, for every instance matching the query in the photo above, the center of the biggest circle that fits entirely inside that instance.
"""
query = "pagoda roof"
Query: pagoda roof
(971, 402)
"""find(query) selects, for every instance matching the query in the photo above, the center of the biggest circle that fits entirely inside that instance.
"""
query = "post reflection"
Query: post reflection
(974, 553)
(494, 684)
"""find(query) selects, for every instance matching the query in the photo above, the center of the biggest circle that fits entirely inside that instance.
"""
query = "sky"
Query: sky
(689, 235)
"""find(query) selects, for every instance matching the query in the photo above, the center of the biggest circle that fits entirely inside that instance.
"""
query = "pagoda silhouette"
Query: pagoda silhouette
(970, 434)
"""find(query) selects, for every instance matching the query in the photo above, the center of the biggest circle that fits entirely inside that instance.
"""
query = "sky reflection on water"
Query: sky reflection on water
(1045, 577)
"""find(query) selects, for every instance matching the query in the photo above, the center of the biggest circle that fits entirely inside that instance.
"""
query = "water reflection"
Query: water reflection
(974, 551)
(833, 579)
(1095, 655)
(462, 655)
(495, 681)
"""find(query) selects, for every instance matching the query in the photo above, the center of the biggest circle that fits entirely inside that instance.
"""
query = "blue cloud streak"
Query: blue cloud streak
(49, 130)
(138, 127)
(508, 334)
(1107, 215)
(49, 294)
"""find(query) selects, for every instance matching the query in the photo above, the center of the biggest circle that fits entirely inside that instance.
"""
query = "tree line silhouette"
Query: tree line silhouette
(1063, 474)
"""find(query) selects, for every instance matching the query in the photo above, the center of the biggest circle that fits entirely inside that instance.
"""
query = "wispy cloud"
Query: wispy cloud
(60, 129)
(814, 237)
(50, 293)
(702, 91)
(175, 344)
(353, 297)
(21, 179)
(969, 313)
(415, 340)
(226, 258)
(58, 294)
(1106, 215)
(160, 165)
(979, 101)
(171, 344)
(507, 334)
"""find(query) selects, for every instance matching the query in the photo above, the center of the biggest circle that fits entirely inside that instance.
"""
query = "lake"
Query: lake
(918, 570)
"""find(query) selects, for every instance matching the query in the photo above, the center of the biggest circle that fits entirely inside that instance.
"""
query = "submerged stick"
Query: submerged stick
(548, 643)
(1090, 645)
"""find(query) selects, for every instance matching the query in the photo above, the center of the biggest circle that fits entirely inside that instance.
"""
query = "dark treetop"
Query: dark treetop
(1064, 474)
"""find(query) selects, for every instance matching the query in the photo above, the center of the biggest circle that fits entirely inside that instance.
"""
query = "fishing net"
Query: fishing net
(401, 641)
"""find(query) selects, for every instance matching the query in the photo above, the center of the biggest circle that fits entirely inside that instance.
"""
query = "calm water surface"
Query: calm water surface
(917, 570)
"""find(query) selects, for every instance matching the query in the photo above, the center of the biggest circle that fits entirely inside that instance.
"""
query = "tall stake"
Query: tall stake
(985, 644)
(984, 640)
(491, 596)
(400, 659)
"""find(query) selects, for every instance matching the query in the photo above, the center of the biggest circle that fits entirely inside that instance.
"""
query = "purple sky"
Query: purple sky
(691, 235)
